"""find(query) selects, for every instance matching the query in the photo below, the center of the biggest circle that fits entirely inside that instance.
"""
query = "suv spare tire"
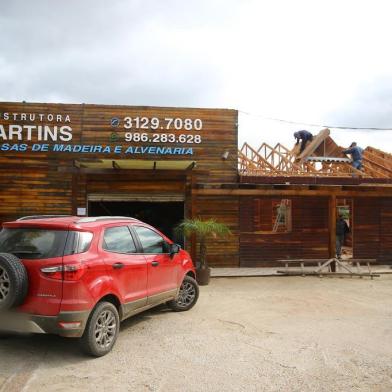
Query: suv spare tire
(13, 281)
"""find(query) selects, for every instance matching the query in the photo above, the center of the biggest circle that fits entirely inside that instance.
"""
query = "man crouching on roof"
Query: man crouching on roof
(305, 137)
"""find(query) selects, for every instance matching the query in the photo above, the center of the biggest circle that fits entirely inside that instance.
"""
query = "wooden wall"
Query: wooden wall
(309, 237)
(48, 183)
(372, 237)
(33, 190)
(385, 253)
(225, 209)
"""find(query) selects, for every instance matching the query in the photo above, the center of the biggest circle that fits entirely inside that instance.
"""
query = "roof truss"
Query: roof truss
(326, 159)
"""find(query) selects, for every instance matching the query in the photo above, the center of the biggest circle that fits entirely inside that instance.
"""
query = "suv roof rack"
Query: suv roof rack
(41, 217)
(98, 218)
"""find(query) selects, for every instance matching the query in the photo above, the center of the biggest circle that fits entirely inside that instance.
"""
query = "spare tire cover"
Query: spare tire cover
(13, 281)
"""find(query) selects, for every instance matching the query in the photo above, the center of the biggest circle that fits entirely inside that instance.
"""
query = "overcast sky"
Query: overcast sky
(319, 62)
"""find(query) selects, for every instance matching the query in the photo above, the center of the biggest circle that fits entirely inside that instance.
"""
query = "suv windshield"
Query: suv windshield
(33, 243)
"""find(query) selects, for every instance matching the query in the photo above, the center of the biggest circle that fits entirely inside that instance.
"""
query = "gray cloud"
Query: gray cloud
(258, 56)
(370, 106)
(129, 52)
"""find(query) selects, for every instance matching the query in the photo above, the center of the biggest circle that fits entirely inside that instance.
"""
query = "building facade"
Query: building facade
(164, 164)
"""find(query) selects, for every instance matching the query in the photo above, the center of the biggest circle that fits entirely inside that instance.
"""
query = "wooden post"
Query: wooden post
(332, 230)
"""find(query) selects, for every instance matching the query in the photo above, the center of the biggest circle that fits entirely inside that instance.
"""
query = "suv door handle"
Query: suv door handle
(118, 265)
(155, 263)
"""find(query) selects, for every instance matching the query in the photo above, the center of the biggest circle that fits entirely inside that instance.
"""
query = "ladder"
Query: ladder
(284, 203)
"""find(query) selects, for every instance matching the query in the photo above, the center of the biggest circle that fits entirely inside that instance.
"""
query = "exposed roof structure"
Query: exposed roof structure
(322, 157)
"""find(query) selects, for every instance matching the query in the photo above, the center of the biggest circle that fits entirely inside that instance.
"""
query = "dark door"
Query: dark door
(344, 208)
(163, 215)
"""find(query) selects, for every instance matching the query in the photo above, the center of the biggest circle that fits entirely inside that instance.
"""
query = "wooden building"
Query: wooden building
(289, 202)
(164, 164)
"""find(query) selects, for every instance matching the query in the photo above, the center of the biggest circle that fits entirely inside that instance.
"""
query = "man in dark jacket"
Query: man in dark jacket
(304, 136)
(341, 230)
(356, 155)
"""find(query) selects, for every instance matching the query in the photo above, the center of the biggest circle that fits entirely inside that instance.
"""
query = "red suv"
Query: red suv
(79, 277)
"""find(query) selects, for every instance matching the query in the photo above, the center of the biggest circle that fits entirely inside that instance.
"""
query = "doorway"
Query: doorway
(344, 207)
(163, 215)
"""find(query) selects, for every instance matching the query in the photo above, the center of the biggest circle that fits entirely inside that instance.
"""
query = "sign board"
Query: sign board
(122, 132)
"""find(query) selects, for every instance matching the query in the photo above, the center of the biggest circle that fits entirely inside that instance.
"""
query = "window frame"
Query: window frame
(73, 242)
(272, 204)
(288, 219)
(137, 249)
(61, 246)
(132, 227)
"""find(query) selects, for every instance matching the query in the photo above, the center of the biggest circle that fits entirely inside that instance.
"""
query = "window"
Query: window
(151, 241)
(272, 216)
(84, 241)
(281, 212)
(118, 239)
(78, 242)
(33, 243)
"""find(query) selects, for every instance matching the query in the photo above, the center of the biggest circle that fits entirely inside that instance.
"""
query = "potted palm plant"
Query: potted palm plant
(203, 230)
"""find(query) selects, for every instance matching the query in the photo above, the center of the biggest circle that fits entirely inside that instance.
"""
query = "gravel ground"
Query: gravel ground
(245, 334)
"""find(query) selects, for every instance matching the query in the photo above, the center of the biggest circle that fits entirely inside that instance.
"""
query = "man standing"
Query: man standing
(304, 136)
(341, 230)
(356, 155)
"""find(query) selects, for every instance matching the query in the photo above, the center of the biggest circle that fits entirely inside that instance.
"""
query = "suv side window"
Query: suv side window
(77, 242)
(151, 241)
(84, 242)
(118, 239)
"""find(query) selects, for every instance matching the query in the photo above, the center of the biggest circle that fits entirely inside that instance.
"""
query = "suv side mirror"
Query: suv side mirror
(174, 248)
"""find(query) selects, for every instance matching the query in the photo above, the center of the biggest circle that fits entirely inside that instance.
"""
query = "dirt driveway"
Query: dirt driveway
(245, 334)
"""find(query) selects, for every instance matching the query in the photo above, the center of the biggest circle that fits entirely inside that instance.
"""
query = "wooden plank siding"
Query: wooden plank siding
(309, 237)
(372, 237)
(385, 254)
(91, 126)
(29, 192)
(49, 183)
(221, 252)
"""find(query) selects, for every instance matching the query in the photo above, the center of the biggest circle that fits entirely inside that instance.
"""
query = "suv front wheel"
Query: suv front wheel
(187, 296)
(101, 330)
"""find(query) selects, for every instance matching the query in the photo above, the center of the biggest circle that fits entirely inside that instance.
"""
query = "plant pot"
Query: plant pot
(203, 276)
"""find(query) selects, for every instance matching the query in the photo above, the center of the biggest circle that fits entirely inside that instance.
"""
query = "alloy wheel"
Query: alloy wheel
(105, 329)
(186, 295)
(4, 284)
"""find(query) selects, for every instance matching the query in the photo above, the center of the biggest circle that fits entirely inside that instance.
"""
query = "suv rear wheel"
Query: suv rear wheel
(13, 281)
(101, 330)
(187, 296)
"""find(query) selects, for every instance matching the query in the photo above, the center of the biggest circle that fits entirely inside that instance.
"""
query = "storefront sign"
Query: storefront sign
(134, 135)
(94, 149)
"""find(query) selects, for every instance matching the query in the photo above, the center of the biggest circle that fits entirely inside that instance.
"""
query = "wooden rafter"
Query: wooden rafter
(281, 161)
(312, 146)
(378, 162)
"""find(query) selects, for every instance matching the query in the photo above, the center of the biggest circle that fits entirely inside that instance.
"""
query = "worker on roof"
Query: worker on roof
(305, 137)
(356, 155)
